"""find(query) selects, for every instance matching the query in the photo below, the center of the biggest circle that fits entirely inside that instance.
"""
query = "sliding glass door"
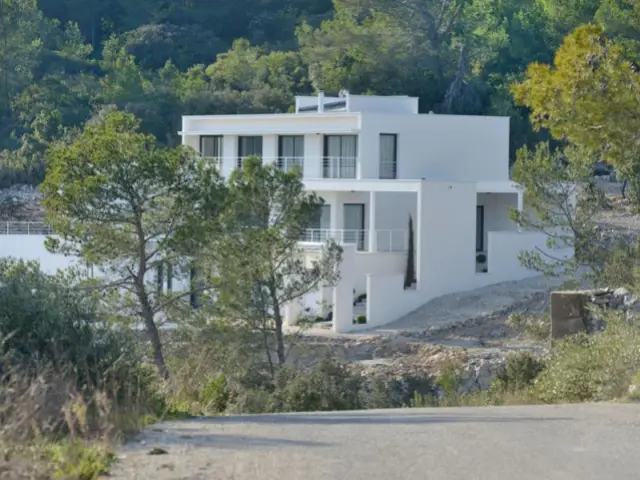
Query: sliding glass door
(290, 152)
(340, 154)
(354, 224)
(248, 146)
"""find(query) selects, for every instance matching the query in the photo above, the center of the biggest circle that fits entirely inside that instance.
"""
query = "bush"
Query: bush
(591, 367)
(63, 368)
(519, 372)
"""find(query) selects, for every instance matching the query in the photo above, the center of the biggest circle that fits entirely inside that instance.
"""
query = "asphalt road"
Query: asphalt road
(582, 442)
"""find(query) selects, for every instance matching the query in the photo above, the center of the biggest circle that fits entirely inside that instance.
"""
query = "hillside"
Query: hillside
(62, 61)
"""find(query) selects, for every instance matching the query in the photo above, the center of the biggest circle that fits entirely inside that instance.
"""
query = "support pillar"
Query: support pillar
(292, 313)
(520, 206)
(343, 291)
(372, 223)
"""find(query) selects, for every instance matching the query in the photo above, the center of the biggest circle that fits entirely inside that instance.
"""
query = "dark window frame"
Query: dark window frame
(395, 155)
(479, 228)
(202, 137)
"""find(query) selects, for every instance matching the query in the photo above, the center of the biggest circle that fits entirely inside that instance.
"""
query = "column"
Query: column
(292, 313)
(372, 223)
(520, 206)
(343, 291)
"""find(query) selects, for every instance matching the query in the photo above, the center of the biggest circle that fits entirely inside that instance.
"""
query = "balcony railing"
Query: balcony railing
(25, 228)
(384, 240)
(311, 167)
(339, 167)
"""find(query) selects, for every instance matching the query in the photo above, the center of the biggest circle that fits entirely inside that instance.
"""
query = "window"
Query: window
(248, 146)
(319, 231)
(340, 153)
(388, 161)
(211, 146)
(290, 151)
(169, 277)
(480, 228)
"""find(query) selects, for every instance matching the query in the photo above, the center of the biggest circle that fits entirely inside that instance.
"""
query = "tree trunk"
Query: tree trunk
(280, 350)
(156, 344)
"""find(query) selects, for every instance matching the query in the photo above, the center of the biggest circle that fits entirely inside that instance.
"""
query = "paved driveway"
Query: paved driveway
(581, 442)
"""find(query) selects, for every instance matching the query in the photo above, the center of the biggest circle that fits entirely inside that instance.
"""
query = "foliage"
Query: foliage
(120, 202)
(46, 319)
(263, 268)
(591, 368)
(519, 372)
(562, 202)
(588, 97)
(77, 461)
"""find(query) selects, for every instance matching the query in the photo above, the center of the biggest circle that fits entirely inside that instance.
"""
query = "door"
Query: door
(388, 160)
(248, 146)
(211, 147)
(340, 153)
(354, 224)
(290, 152)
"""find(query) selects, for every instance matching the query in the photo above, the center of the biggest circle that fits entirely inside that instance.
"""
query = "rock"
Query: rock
(157, 451)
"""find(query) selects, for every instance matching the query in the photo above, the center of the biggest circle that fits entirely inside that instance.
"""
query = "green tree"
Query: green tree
(562, 202)
(589, 97)
(263, 268)
(129, 207)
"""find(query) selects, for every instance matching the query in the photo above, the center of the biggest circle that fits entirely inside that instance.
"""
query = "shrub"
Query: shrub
(481, 258)
(361, 319)
(519, 372)
(591, 367)
(63, 368)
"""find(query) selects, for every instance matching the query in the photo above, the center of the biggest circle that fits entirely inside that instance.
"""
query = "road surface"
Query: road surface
(581, 442)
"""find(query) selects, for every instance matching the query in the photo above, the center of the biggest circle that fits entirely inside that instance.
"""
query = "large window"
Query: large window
(290, 151)
(480, 228)
(388, 161)
(340, 154)
(248, 146)
(211, 146)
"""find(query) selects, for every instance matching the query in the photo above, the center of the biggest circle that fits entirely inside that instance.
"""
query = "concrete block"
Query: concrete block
(568, 313)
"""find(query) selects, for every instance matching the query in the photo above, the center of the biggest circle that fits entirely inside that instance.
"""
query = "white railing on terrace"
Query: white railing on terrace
(384, 240)
(312, 167)
(25, 228)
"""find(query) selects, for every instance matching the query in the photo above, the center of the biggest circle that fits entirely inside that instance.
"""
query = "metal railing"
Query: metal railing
(286, 164)
(385, 240)
(339, 167)
(215, 161)
(25, 228)
(311, 167)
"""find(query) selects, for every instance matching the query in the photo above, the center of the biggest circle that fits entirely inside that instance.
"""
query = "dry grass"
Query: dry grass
(49, 428)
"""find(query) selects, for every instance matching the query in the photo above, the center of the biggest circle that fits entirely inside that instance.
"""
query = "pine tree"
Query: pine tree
(410, 273)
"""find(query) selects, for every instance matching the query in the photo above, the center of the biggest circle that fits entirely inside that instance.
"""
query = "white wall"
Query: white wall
(387, 300)
(439, 147)
(446, 239)
(497, 208)
(380, 104)
(31, 248)
(382, 263)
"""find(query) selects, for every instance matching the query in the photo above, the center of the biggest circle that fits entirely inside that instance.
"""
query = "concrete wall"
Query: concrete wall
(379, 104)
(497, 208)
(387, 300)
(382, 263)
(434, 147)
(446, 240)
(32, 248)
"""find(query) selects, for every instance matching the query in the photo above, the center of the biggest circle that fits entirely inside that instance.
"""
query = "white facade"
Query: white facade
(376, 163)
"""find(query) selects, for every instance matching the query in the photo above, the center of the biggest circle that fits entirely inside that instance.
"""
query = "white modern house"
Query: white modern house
(377, 163)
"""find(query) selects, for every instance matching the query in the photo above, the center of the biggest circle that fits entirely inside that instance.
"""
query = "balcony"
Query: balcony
(383, 240)
(313, 168)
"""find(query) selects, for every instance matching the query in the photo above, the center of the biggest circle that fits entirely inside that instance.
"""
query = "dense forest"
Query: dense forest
(64, 61)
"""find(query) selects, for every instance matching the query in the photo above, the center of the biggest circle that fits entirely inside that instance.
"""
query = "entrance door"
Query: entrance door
(354, 224)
